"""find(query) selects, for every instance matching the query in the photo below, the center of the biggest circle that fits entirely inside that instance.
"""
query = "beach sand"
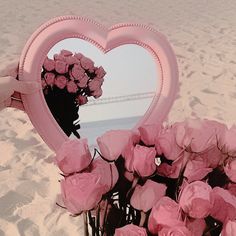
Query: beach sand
(203, 36)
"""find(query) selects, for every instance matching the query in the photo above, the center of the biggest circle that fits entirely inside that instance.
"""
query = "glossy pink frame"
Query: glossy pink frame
(63, 27)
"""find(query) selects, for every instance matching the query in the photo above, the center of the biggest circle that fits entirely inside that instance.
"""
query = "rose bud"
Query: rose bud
(81, 100)
(196, 199)
(73, 156)
(95, 84)
(81, 192)
(70, 60)
(66, 53)
(100, 72)
(61, 81)
(86, 63)
(61, 67)
(72, 87)
(144, 160)
(49, 64)
(97, 93)
(77, 72)
(131, 230)
(83, 80)
(146, 196)
(49, 78)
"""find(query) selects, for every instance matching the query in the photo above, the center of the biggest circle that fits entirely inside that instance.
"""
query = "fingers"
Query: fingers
(17, 104)
(26, 87)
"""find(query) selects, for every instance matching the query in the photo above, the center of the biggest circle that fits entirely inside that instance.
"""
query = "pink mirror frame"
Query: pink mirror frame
(57, 29)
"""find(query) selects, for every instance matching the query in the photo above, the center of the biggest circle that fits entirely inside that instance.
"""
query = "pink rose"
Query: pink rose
(86, 63)
(59, 57)
(176, 230)
(196, 170)
(229, 229)
(49, 64)
(100, 72)
(81, 192)
(224, 208)
(66, 53)
(70, 60)
(81, 100)
(78, 56)
(166, 213)
(230, 170)
(130, 230)
(49, 78)
(95, 84)
(83, 81)
(196, 226)
(166, 144)
(232, 188)
(61, 81)
(113, 142)
(61, 67)
(72, 87)
(146, 196)
(149, 133)
(77, 72)
(196, 199)
(107, 172)
(97, 93)
(144, 160)
(73, 156)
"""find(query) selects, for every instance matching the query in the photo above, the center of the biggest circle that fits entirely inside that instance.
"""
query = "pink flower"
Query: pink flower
(66, 53)
(196, 199)
(176, 230)
(59, 57)
(146, 196)
(113, 142)
(77, 72)
(78, 56)
(86, 63)
(81, 192)
(196, 226)
(144, 160)
(131, 230)
(107, 172)
(230, 170)
(224, 208)
(97, 93)
(70, 60)
(81, 100)
(196, 170)
(61, 67)
(44, 84)
(95, 84)
(166, 213)
(49, 78)
(61, 81)
(229, 229)
(166, 145)
(149, 133)
(72, 87)
(73, 156)
(83, 81)
(232, 188)
(100, 72)
(49, 64)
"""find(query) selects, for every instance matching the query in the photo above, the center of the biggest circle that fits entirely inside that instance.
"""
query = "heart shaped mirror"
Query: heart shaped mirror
(94, 79)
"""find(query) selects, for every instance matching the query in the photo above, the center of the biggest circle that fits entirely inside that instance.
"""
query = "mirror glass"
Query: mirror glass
(118, 98)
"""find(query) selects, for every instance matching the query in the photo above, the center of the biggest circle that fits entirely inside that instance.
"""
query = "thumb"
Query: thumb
(27, 87)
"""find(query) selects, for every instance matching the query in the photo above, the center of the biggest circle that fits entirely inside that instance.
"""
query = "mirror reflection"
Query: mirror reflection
(89, 92)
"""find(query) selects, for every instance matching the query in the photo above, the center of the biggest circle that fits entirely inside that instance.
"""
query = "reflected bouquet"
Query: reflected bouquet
(68, 80)
(173, 180)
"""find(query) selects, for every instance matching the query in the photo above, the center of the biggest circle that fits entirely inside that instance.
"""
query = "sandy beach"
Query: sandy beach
(203, 36)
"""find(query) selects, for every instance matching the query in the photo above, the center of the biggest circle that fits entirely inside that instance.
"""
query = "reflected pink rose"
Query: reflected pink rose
(49, 78)
(97, 93)
(61, 81)
(149, 133)
(73, 156)
(176, 230)
(78, 56)
(196, 199)
(66, 53)
(61, 67)
(49, 64)
(81, 192)
(77, 72)
(83, 81)
(230, 170)
(72, 87)
(81, 100)
(144, 160)
(44, 84)
(224, 208)
(229, 229)
(70, 60)
(196, 226)
(166, 213)
(107, 172)
(146, 196)
(113, 142)
(100, 72)
(130, 230)
(86, 63)
(95, 84)
(59, 57)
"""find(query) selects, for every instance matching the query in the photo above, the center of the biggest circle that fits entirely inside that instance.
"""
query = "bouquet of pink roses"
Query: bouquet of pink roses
(68, 80)
(174, 180)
